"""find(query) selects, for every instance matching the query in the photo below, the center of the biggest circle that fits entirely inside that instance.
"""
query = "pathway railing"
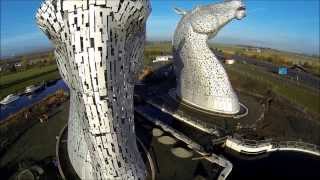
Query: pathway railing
(277, 145)
(180, 115)
(298, 145)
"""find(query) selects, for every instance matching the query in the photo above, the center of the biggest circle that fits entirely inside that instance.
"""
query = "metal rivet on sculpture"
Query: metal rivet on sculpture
(201, 79)
(99, 47)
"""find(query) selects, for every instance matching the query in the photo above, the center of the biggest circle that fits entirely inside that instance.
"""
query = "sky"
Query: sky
(291, 25)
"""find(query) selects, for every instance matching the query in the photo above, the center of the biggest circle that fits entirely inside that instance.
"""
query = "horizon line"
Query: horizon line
(48, 49)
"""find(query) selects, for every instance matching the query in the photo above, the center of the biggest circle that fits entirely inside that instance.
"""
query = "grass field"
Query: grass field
(255, 80)
(292, 57)
(312, 63)
(9, 79)
(16, 82)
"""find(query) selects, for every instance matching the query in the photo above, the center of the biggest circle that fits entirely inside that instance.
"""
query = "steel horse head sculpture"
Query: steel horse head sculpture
(201, 79)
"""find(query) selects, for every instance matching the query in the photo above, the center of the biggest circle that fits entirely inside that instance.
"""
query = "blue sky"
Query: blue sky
(291, 25)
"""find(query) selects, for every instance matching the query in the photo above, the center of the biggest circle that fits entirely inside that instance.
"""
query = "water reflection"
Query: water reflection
(27, 100)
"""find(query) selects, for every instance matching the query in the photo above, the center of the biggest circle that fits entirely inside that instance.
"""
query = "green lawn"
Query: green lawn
(14, 83)
(6, 80)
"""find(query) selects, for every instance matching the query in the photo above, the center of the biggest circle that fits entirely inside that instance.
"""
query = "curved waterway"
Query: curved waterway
(283, 165)
(26, 101)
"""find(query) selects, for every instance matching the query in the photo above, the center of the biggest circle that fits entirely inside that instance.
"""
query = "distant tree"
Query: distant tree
(239, 52)
(227, 56)
(13, 68)
(50, 57)
(254, 56)
(45, 61)
(306, 65)
(269, 59)
(24, 62)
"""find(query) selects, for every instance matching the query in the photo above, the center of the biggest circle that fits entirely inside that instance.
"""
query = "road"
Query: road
(293, 74)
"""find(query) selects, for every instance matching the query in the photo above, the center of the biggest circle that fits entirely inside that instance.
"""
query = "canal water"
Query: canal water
(26, 101)
(284, 165)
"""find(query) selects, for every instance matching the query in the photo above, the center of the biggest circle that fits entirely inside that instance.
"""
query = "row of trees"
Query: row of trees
(26, 63)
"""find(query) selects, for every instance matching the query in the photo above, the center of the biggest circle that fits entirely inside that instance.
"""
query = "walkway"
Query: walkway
(213, 158)
(257, 147)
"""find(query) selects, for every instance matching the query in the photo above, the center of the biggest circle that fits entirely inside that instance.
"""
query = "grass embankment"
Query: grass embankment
(13, 83)
(252, 79)
(22, 137)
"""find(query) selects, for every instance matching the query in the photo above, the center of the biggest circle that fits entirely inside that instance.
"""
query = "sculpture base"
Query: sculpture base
(67, 171)
(207, 121)
(242, 113)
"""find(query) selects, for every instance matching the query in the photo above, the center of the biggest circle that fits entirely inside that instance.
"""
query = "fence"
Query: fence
(296, 145)
(199, 124)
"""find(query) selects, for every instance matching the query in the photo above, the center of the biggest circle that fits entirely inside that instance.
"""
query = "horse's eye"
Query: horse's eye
(242, 8)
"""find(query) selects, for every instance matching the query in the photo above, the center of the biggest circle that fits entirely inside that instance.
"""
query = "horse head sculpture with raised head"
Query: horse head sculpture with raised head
(201, 79)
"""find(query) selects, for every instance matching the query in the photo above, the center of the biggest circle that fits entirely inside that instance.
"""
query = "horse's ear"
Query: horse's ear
(180, 11)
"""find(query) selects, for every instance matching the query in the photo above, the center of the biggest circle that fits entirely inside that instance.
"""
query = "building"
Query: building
(18, 65)
(298, 68)
(283, 71)
(229, 61)
(258, 50)
(201, 80)
(5, 67)
(99, 46)
(163, 58)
